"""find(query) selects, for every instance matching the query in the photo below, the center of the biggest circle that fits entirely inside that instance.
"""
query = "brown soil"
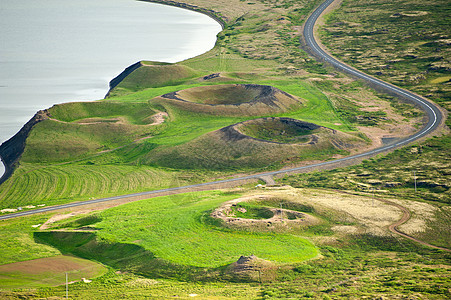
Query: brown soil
(59, 217)
(56, 264)
(251, 268)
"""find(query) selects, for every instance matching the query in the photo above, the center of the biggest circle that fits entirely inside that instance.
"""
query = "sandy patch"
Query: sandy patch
(158, 118)
(372, 216)
(142, 282)
(421, 214)
(60, 217)
(346, 229)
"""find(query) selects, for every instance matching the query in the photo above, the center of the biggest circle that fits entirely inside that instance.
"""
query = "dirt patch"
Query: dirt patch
(142, 283)
(57, 264)
(373, 216)
(251, 268)
(421, 214)
(279, 218)
(158, 118)
(49, 271)
(60, 217)
(410, 14)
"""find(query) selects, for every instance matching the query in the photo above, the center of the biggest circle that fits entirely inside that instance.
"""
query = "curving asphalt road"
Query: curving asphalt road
(434, 115)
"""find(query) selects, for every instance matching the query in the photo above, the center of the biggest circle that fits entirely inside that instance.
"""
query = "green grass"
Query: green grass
(62, 161)
(135, 113)
(403, 42)
(52, 185)
(393, 173)
(351, 270)
(18, 243)
(174, 237)
(176, 229)
(130, 286)
(277, 131)
(153, 75)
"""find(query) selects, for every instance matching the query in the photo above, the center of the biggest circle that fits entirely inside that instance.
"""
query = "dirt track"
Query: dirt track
(405, 217)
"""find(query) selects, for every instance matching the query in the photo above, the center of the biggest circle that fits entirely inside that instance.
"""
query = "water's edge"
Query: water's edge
(12, 149)
(217, 16)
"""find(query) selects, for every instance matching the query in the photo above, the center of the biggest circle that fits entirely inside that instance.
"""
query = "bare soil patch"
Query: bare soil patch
(49, 271)
(60, 217)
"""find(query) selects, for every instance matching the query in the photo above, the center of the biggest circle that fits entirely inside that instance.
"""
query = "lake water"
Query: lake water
(54, 51)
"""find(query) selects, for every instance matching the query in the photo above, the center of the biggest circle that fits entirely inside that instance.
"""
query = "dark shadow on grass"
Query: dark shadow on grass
(130, 257)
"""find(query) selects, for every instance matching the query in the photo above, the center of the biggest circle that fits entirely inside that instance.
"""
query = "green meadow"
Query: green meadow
(178, 229)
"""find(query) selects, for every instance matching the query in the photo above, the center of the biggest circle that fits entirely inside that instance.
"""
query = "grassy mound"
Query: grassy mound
(229, 149)
(151, 75)
(134, 113)
(233, 99)
(221, 94)
(76, 130)
(281, 130)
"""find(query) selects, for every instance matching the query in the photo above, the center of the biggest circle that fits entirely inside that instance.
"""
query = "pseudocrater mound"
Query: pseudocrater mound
(253, 212)
(233, 99)
(282, 130)
(259, 143)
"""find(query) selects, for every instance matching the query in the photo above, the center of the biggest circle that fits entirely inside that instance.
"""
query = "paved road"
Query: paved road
(433, 113)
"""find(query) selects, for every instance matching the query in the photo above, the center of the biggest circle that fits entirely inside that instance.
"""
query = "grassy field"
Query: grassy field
(18, 243)
(406, 43)
(177, 229)
(169, 246)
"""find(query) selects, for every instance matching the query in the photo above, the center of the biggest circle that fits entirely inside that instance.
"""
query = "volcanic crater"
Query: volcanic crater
(233, 99)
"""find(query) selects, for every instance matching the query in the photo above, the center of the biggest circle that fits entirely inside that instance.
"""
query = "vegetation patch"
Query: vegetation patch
(178, 230)
(245, 211)
(18, 243)
(270, 147)
(405, 43)
(281, 130)
(249, 214)
(151, 75)
(117, 148)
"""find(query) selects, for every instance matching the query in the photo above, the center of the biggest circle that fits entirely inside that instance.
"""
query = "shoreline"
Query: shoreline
(216, 16)
(12, 149)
